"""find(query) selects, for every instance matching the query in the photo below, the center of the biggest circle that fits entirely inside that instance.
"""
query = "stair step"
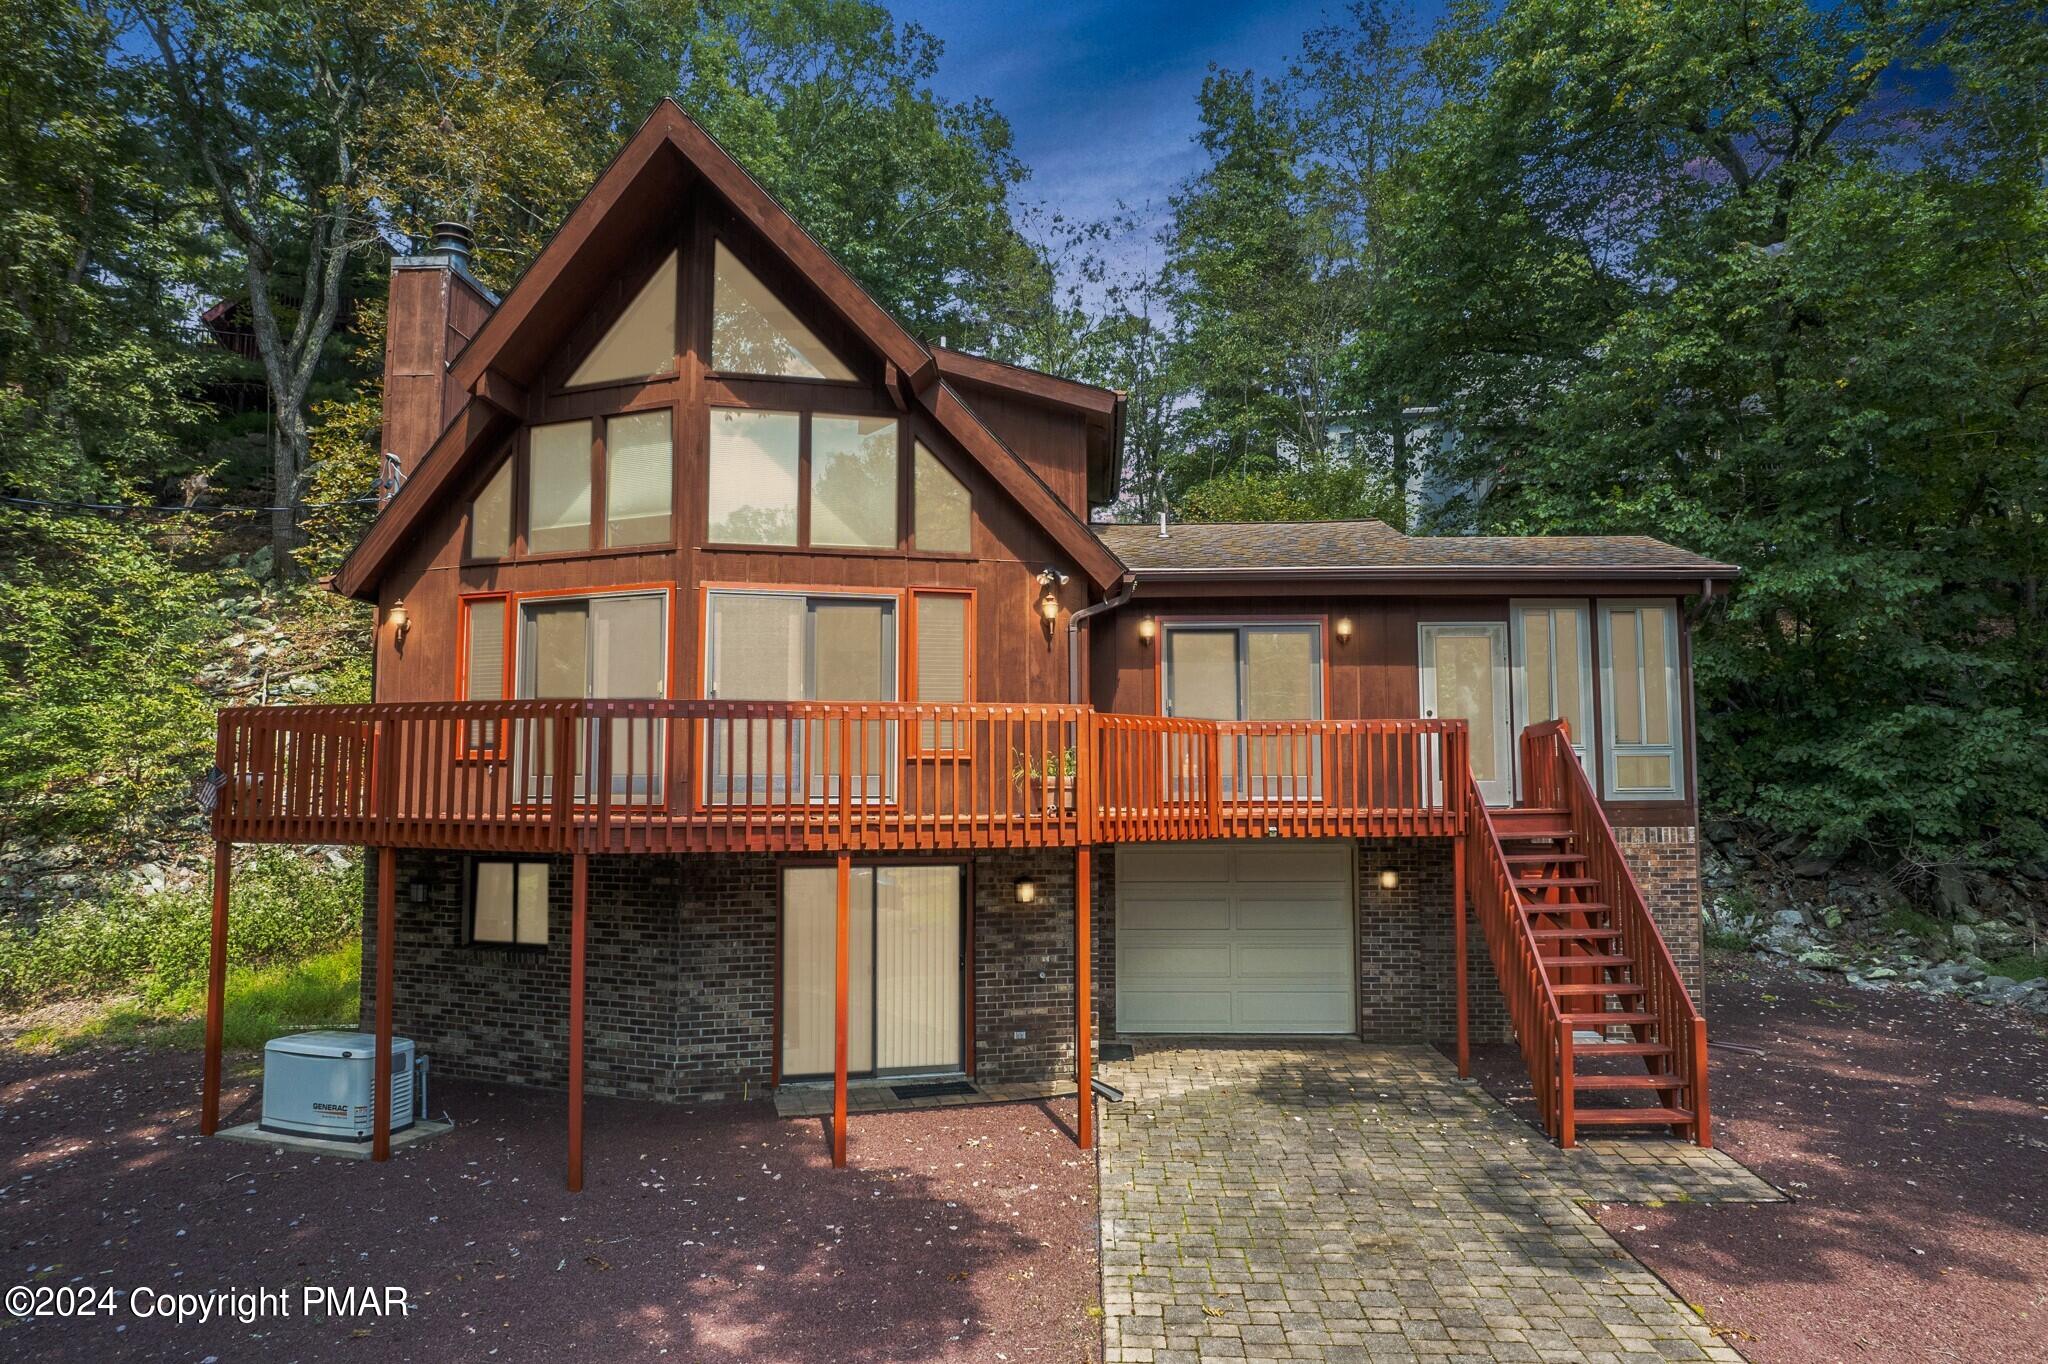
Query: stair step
(1561, 882)
(1531, 833)
(1588, 1050)
(1562, 906)
(1545, 857)
(1622, 1117)
(1619, 989)
(1627, 1082)
(1588, 933)
(1602, 1018)
(1589, 960)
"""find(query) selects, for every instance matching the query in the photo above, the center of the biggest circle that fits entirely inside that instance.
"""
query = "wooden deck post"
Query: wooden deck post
(1458, 951)
(216, 989)
(1084, 1001)
(380, 1095)
(579, 903)
(841, 969)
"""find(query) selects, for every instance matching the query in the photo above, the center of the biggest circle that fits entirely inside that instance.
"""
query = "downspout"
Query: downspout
(1126, 587)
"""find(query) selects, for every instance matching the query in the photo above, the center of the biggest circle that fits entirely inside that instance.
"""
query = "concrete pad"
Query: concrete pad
(421, 1130)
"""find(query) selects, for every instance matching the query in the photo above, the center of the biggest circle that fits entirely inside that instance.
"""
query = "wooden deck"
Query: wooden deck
(670, 777)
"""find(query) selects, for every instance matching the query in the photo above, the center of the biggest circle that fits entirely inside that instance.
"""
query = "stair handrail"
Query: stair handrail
(1532, 1003)
(1555, 770)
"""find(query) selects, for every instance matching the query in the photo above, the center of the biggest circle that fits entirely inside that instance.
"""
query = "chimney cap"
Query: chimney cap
(453, 239)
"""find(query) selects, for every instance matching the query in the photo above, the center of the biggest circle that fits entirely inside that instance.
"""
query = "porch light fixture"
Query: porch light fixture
(1027, 890)
(1343, 629)
(1148, 629)
(1390, 879)
(400, 621)
(1049, 606)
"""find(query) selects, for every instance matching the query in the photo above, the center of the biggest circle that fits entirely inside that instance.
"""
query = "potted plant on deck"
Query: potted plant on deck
(1041, 773)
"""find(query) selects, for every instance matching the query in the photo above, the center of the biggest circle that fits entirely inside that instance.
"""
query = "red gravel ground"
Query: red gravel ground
(1913, 1133)
(708, 1235)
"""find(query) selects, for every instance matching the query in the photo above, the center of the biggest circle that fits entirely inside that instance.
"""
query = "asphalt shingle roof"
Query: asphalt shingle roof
(1309, 546)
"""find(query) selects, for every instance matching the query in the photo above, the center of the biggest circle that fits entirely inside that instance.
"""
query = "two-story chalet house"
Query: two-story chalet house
(757, 704)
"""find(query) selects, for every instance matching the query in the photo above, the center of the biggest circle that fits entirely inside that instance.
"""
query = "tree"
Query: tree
(1743, 277)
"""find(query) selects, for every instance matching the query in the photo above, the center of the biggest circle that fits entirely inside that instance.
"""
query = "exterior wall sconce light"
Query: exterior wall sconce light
(1027, 890)
(1148, 630)
(1049, 606)
(1051, 579)
(1390, 879)
(1343, 629)
(400, 620)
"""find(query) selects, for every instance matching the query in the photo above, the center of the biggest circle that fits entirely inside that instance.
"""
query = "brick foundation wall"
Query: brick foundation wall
(1407, 981)
(1024, 966)
(1666, 863)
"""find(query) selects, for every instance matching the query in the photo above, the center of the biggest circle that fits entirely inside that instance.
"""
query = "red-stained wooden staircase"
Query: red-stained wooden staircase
(1610, 1035)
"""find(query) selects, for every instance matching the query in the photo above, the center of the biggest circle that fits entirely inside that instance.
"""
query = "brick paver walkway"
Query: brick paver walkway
(1341, 1202)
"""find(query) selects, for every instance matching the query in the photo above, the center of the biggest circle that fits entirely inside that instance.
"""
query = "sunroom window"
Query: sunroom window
(1640, 702)
(1553, 664)
(752, 332)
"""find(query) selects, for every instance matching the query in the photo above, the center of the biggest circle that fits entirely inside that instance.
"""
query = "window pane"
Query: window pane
(1656, 677)
(853, 482)
(753, 477)
(1643, 771)
(642, 343)
(941, 660)
(533, 903)
(555, 663)
(1280, 679)
(1628, 677)
(559, 462)
(1571, 684)
(944, 513)
(1201, 674)
(855, 652)
(493, 902)
(490, 517)
(757, 647)
(1536, 665)
(638, 479)
(627, 646)
(484, 675)
(1464, 691)
(753, 333)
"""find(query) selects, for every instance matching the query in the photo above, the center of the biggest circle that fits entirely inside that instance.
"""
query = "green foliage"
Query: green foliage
(323, 990)
(1317, 494)
(100, 634)
(282, 908)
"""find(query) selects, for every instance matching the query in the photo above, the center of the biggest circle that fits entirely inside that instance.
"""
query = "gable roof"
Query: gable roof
(1373, 549)
(629, 197)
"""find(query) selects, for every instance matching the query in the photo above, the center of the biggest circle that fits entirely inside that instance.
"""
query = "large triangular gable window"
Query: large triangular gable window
(642, 343)
(752, 332)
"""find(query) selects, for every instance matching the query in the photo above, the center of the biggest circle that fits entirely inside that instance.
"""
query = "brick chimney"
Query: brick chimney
(436, 306)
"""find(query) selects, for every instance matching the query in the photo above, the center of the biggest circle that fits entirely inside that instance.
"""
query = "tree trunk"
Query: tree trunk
(288, 455)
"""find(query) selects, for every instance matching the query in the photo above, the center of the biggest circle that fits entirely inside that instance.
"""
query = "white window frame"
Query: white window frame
(1501, 790)
(648, 789)
(1611, 749)
(1518, 680)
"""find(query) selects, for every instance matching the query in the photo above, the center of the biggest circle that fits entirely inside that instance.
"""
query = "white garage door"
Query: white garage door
(1235, 939)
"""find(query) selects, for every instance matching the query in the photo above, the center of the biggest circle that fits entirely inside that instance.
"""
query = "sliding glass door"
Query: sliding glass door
(1252, 673)
(585, 648)
(786, 646)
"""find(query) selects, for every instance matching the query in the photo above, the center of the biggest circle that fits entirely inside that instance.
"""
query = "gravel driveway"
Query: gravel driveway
(703, 1235)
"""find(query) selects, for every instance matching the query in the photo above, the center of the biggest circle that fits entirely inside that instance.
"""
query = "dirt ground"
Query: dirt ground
(707, 1235)
(1913, 1134)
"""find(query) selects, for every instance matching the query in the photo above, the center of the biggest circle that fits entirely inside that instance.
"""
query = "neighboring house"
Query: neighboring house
(756, 705)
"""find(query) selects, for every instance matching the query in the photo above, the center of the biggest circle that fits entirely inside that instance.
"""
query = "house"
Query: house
(757, 704)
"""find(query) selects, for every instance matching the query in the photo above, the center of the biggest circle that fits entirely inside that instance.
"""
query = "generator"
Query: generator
(320, 1084)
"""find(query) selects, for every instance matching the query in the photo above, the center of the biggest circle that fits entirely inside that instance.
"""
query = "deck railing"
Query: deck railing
(713, 776)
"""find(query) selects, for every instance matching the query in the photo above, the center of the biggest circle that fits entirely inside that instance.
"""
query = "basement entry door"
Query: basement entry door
(1235, 938)
(904, 995)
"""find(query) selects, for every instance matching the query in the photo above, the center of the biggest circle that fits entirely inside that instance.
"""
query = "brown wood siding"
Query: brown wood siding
(1052, 442)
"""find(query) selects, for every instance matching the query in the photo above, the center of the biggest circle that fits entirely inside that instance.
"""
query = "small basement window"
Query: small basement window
(509, 904)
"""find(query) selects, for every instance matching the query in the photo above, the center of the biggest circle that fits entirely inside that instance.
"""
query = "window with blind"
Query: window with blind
(1553, 668)
(508, 904)
(639, 476)
(1641, 710)
(486, 622)
(642, 343)
(558, 488)
(787, 646)
(601, 647)
(944, 669)
(1252, 673)
(753, 477)
(941, 510)
(490, 517)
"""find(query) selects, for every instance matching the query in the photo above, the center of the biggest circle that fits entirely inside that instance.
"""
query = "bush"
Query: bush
(282, 908)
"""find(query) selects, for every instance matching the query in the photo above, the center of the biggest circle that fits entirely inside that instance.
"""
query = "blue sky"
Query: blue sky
(1102, 94)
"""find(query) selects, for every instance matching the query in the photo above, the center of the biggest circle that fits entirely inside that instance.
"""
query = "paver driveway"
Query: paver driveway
(1346, 1202)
